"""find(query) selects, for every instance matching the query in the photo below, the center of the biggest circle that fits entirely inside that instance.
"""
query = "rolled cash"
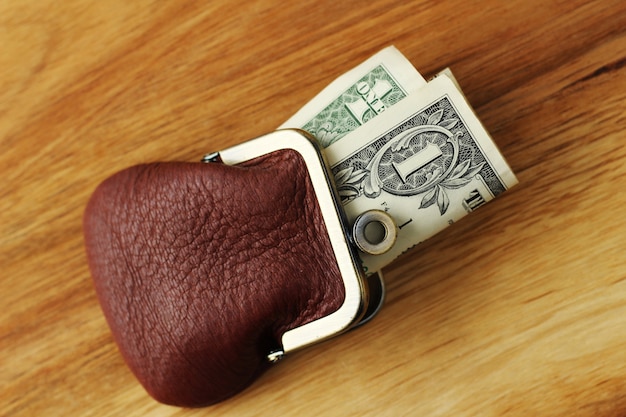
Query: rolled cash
(425, 159)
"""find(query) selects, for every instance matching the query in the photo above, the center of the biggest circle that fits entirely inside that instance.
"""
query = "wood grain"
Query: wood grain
(519, 309)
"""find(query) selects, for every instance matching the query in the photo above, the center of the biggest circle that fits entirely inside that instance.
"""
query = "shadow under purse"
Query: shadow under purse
(208, 272)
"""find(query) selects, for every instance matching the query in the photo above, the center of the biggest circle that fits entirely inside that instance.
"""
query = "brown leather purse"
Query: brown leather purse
(209, 272)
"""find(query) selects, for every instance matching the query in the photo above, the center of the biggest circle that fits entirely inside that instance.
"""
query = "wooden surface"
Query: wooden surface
(519, 309)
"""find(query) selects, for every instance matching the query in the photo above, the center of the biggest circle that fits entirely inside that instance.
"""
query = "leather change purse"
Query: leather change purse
(208, 273)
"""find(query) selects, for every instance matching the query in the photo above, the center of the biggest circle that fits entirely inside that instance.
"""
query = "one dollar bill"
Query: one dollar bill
(358, 96)
(427, 163)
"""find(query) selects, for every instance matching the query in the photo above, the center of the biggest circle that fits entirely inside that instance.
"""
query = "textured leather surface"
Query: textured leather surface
(200, 268)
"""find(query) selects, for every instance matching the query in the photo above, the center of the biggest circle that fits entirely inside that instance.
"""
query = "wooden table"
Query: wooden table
(519, 309)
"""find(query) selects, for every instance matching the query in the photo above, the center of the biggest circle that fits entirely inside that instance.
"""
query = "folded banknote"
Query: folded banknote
(413, 149)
